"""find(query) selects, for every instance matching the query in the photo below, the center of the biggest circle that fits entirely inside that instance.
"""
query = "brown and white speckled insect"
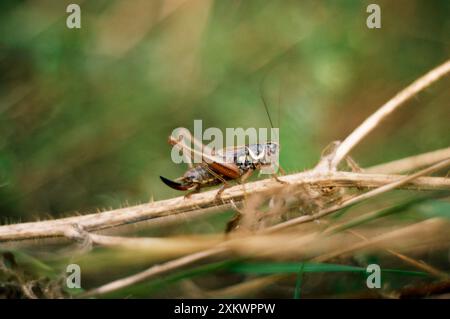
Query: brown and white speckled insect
(237, 163)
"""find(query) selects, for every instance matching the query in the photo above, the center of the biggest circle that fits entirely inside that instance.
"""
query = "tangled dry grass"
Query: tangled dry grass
(334, 215)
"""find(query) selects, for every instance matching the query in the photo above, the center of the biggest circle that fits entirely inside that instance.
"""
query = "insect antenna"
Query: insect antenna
(264, 102)
(266, 108)
(261, 91)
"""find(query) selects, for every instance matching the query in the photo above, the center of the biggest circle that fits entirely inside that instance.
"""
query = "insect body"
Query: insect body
(236, 163)
(195, 177)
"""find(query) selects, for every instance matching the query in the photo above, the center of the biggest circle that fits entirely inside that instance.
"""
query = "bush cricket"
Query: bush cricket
(236, 163)
(233, 163)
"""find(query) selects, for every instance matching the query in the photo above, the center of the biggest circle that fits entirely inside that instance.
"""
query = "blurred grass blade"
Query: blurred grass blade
(285, 268)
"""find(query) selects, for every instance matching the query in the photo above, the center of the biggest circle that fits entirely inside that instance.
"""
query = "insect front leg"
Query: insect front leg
(276, 175)
(246, 176)
(281, 170)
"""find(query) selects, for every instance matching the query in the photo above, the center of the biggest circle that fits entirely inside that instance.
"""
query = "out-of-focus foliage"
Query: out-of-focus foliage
(85, 113)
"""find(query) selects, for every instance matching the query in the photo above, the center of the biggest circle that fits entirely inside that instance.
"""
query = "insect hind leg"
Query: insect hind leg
(195, 190)
(224, 186)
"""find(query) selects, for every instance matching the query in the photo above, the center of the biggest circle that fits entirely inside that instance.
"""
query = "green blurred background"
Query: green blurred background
(85, 113)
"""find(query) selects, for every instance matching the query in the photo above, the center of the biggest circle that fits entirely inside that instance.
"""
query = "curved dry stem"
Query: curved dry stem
(344, 148)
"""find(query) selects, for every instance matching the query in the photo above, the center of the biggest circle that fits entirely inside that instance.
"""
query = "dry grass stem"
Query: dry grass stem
(206, 202)
(410, 163)
(154, 271)
(384, 111)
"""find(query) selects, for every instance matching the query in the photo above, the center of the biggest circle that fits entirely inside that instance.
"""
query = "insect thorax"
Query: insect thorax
(255, 155)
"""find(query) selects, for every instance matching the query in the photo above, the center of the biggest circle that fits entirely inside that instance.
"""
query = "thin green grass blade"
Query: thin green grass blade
(293, 268)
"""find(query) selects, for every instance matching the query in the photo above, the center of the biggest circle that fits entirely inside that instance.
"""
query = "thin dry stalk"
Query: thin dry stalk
(207, 202)
(383, 112)
(410, 163)
(430, 229)
(154, 271)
